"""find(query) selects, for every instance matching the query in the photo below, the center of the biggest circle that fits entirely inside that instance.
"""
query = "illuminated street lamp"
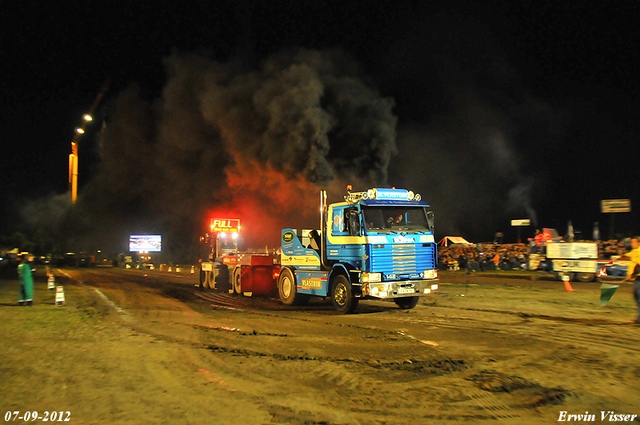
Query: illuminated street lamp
(73, 157)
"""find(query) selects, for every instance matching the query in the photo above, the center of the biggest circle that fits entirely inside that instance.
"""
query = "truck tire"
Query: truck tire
(571, 275)
(220, 280)
(406, 303)
(287, 288)
(203, 278)
(341, 295)
(237, 281)
(585, 277)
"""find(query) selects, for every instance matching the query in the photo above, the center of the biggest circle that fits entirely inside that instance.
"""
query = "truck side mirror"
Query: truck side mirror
(431, 219)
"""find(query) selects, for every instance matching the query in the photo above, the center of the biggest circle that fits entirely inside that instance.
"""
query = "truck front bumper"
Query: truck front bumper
(400, 288)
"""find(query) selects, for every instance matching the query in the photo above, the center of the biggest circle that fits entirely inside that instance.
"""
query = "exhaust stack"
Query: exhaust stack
(323, 228)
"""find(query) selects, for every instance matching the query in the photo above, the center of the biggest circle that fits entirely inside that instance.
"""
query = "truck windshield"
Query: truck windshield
(395, 219)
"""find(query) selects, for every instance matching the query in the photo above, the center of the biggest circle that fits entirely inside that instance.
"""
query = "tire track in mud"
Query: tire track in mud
(368, 390)
(487, 402)
(381, 389)
(368, 397)
(274, 308)
(373, 388)
(576, 344)
(408, 388)
(223, 301)
(546, 395)
(583, 336)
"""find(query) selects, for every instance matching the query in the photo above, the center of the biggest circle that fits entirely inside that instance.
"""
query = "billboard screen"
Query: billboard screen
(145, 243)
(521, 222)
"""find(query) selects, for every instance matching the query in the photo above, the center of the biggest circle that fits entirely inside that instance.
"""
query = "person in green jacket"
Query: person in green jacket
(26, 282)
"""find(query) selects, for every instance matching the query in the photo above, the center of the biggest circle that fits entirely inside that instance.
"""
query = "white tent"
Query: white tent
(453, 240)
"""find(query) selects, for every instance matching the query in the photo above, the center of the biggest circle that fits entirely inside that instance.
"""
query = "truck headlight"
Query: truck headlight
(371, 277)
(434, 287)
(380, 290)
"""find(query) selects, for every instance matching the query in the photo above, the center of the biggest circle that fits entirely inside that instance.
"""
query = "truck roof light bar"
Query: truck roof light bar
(382, 194)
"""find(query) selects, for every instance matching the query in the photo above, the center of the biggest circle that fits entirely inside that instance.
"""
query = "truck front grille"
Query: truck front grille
(403, 259)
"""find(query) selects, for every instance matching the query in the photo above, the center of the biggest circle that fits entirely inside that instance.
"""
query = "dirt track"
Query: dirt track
(144, 347)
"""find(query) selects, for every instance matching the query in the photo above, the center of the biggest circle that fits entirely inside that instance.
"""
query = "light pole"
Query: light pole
(73, 161)
(73, 157)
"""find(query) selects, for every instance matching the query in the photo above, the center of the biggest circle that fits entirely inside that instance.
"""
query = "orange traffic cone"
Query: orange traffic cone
(567, 285)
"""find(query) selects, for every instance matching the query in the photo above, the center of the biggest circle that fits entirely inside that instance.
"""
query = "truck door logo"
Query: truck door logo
(311, 283)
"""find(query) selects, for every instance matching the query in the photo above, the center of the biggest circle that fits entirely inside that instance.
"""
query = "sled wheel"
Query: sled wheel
(237, 281)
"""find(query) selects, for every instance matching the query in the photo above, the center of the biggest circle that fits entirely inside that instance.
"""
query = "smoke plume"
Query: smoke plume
(221, 139)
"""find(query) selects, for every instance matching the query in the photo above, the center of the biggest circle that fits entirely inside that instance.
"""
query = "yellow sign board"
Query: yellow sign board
(616, 205)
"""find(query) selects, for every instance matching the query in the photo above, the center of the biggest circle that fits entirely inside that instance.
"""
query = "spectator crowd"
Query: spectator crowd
(492, 256)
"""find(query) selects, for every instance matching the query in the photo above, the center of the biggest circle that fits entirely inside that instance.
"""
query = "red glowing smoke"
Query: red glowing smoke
(266, 201)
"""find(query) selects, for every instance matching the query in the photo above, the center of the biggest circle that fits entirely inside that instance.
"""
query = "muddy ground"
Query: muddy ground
(133, 347)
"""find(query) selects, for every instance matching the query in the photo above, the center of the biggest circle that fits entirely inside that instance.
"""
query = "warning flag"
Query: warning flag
(606, 292)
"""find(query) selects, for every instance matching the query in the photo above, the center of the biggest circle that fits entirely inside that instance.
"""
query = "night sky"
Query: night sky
(502, 110)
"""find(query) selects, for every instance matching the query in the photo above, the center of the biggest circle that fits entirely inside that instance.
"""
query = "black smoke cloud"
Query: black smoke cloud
(255, 143)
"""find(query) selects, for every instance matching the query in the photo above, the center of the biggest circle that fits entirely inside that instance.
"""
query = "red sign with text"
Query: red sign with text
(225, 225)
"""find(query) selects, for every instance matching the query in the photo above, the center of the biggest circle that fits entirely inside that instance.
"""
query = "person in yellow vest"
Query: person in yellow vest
(633, 270)
(26, 281)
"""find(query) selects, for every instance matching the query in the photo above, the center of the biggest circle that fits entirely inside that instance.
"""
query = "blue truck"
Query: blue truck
(377, 244)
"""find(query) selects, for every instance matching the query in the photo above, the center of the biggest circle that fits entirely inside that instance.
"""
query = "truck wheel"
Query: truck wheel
(407, 303)
(220, 280)
(343, 300)
(237, 281)
(571, 275)
(585, 277)
(287, 287)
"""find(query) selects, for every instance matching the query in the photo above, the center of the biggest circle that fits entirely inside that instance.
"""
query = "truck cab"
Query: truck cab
(220, 241)
(376, 244)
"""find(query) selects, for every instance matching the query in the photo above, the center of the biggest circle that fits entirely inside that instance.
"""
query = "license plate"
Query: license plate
(406, 291)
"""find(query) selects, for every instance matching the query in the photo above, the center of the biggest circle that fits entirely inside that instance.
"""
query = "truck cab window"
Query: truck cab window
(352, 221)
